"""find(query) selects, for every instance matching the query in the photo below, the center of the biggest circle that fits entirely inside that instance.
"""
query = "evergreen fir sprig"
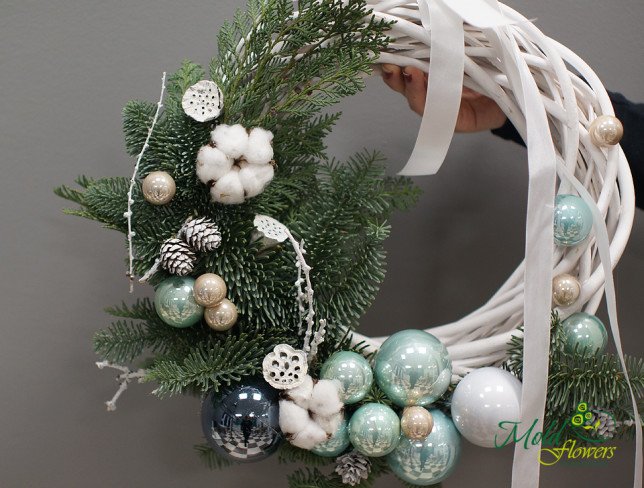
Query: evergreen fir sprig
(582, 376)
(210, 458)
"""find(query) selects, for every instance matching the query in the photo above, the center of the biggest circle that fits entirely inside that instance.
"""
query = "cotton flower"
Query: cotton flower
(311, 412)
(228, 188)
(236, 164)
(260, 147)
(231, 139)
(325, 399)
(212, 164)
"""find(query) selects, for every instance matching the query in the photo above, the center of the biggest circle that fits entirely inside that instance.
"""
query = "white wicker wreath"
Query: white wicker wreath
(552, 97)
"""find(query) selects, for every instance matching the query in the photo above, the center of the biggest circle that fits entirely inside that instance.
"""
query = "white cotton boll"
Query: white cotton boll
(293, 419)
(329, 424)
(325, 400)
(260, 149)
(309, 437)
(212, 164)
(302, 394)
(231, 139)
(254, 178)
(228, 189)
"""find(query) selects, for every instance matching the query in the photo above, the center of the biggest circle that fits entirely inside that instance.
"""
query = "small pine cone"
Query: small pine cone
(177, 257)
(606, 427)
(353, 468)
(202, 234)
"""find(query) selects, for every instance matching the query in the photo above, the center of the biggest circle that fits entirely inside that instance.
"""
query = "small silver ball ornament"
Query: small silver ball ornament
(416, 423)
(222, 316)
(209, 290)
(565, 290)
(606, 130)
(159, 188)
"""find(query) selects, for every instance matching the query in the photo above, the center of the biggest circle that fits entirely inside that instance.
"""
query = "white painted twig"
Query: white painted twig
(123, 379)
(130, 200)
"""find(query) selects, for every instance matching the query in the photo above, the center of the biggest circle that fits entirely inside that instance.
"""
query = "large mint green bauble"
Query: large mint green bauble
(175, 302)
(336, 444)
(430, 460)
(412, 368)
(352, 371)
(584, 331)
(374, 429)
(573, 220)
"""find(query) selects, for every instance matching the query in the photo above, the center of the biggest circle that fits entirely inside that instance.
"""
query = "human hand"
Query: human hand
(477, 112)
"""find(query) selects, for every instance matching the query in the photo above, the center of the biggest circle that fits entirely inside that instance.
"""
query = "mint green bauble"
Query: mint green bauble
(374, 429)
(430, 460)
(412, 368)
(584, 331)
(175, 302)
(573, 220)
(336, 444)
(352, 371)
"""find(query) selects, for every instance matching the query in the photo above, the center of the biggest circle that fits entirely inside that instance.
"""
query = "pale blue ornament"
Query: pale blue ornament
(430, 460)
(573, 220)
(352, 371)
(412, 367)
(336, 444)
(175, 302)
(584, 331)
(374, 430)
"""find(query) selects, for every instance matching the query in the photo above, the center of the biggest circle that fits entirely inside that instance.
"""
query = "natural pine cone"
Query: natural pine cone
(353, 468)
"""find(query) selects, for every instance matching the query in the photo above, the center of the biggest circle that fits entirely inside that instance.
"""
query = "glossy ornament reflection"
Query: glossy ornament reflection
(481, 400)
(584, 331)
(412, 367)
(565, 290)
(606, 130)
(353, 373)
(430, 460)
(337, 444)
(158, 188)
(416, 423)
(242, 423)
(222, 316)
(175, 303)
(209, 290)
(573, 220)
(374, 429)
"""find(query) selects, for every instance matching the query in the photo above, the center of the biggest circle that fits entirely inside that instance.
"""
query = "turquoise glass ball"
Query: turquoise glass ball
(573, 220)
(374, 429)
(352, 371)
(412, 368)
(430, 460)
(175, 303)
(336, 444)
(584, 331)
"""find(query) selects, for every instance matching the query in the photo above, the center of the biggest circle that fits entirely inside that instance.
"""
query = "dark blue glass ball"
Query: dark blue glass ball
(242, 422)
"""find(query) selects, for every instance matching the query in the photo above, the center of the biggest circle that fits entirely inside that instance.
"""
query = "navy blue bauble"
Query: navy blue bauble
(242, 422)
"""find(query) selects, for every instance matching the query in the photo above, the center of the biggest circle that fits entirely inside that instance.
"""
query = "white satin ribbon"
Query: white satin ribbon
(443, 19)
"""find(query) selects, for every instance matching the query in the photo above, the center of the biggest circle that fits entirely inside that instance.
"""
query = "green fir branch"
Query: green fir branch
(210, 458)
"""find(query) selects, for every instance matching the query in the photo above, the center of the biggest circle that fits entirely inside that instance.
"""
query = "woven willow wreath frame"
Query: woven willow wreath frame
(480, 338)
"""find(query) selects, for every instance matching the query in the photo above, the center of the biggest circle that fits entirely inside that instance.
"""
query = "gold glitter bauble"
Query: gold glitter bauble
(159, 188)
(209, 290)
(565, 290)
(416, 423)
(222, 316)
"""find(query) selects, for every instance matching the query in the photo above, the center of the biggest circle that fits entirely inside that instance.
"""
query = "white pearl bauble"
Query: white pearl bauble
(222, 316)
(565, 290)
(482, 399)
(158, 188)
(606, 130)
(209, 290)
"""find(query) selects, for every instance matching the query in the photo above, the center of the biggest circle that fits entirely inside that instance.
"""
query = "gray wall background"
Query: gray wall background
(66, 69)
